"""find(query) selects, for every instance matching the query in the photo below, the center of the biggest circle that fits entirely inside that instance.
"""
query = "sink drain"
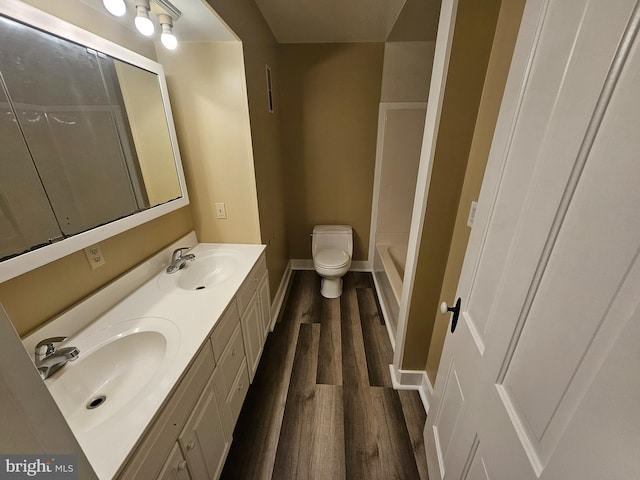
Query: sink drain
(96, 402)
(201, 287)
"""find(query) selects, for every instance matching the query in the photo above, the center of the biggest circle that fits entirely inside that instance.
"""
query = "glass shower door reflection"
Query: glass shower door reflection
(66, 116)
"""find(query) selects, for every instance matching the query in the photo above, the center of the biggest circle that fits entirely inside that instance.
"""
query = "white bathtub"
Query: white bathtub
(388, 269)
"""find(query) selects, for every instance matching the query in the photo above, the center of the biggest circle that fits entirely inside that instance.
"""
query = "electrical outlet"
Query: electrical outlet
(221, 211)
(94, 256)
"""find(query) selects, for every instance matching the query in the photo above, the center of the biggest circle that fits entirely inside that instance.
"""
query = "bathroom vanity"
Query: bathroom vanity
(163, 372)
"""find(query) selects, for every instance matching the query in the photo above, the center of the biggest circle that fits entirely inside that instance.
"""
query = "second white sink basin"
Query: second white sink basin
(116, 368)
(207, 270)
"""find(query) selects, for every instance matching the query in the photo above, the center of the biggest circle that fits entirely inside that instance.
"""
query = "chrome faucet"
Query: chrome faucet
(178, 260)
(52, 359)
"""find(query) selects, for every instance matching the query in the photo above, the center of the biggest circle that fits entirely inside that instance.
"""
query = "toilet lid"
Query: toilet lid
(331, 258)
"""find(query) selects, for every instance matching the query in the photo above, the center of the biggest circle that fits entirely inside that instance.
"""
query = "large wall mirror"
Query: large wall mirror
(88, 142)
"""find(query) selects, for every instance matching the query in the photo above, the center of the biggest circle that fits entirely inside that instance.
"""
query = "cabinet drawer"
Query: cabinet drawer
(250, 284)
(158, 441)
(238, 392)
(224, 329)
(232, 358)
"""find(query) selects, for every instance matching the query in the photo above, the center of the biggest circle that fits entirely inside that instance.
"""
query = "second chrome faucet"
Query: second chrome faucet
(178, 260)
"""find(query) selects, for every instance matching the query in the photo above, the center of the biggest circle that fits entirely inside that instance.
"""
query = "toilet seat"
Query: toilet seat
(331, 258)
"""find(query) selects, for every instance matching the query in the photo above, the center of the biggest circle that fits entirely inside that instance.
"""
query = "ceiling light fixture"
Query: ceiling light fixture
(167, 37)
(143, 23)
(117, 8)
(169, 8)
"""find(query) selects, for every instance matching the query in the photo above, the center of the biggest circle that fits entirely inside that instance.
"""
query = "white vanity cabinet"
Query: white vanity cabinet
(255, 312)
(191, 436)
(161, 438)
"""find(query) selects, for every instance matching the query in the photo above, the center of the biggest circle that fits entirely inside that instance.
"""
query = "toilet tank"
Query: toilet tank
(332, 236)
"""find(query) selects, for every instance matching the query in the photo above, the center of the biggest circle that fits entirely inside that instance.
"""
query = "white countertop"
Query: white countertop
(195, 313)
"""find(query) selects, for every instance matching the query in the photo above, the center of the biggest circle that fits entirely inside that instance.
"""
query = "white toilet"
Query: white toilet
(332, 247)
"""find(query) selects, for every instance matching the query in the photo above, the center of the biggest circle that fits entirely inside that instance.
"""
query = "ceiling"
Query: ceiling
(337, 21)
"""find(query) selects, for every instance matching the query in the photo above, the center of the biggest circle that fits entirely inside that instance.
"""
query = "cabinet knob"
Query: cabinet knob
(240, 387)
(233, 352)
(182, 465)
(191, 445)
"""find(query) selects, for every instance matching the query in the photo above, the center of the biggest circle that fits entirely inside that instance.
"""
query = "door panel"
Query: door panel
(448, 415)
(477, 469)
(559, 94)
(548, 275)
(596, 246)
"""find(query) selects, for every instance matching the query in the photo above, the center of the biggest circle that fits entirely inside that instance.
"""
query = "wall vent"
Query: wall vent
(269, 90)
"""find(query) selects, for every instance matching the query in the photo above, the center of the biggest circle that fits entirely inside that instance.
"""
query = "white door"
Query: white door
(539, 379)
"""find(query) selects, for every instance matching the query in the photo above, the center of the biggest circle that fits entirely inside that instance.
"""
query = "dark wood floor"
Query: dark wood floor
(322, 404)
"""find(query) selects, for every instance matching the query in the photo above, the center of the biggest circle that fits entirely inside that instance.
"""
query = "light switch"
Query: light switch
(472, 214)
(221, 211)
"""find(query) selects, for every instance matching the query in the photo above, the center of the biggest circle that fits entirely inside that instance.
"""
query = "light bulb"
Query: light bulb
(169, 40)
(116, 8)
(167, 37)
(143, 23)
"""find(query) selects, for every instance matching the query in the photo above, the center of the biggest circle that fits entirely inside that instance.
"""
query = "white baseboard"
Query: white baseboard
(307, 264)
(281, 294)
(360, 266)
(413, 380)
(301, 264)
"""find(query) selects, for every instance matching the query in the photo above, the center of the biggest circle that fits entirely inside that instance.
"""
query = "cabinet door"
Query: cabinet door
(221, 388)
(252, 333)
(264, 304)
(175, 468)
(202, 440)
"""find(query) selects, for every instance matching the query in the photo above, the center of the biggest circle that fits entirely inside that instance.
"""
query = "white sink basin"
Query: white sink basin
(117, 366)
(207, 270)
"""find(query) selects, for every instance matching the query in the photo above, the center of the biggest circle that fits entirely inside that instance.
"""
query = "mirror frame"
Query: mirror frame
(25, 262)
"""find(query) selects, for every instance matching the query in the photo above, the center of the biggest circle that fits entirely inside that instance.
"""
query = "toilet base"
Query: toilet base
(331, 287)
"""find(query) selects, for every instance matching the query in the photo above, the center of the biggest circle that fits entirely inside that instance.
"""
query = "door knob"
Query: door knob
(444, 309)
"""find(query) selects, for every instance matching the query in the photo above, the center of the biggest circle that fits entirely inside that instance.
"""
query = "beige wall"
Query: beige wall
(329, 96)
(501, 53)
(417, 21)
(209, 101)
(472, 41)
(35, 297)
(260, 49)
(407, 71)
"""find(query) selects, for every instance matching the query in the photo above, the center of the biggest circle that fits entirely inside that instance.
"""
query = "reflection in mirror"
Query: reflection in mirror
(145, 112)
(85, 138)
(26, 218)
